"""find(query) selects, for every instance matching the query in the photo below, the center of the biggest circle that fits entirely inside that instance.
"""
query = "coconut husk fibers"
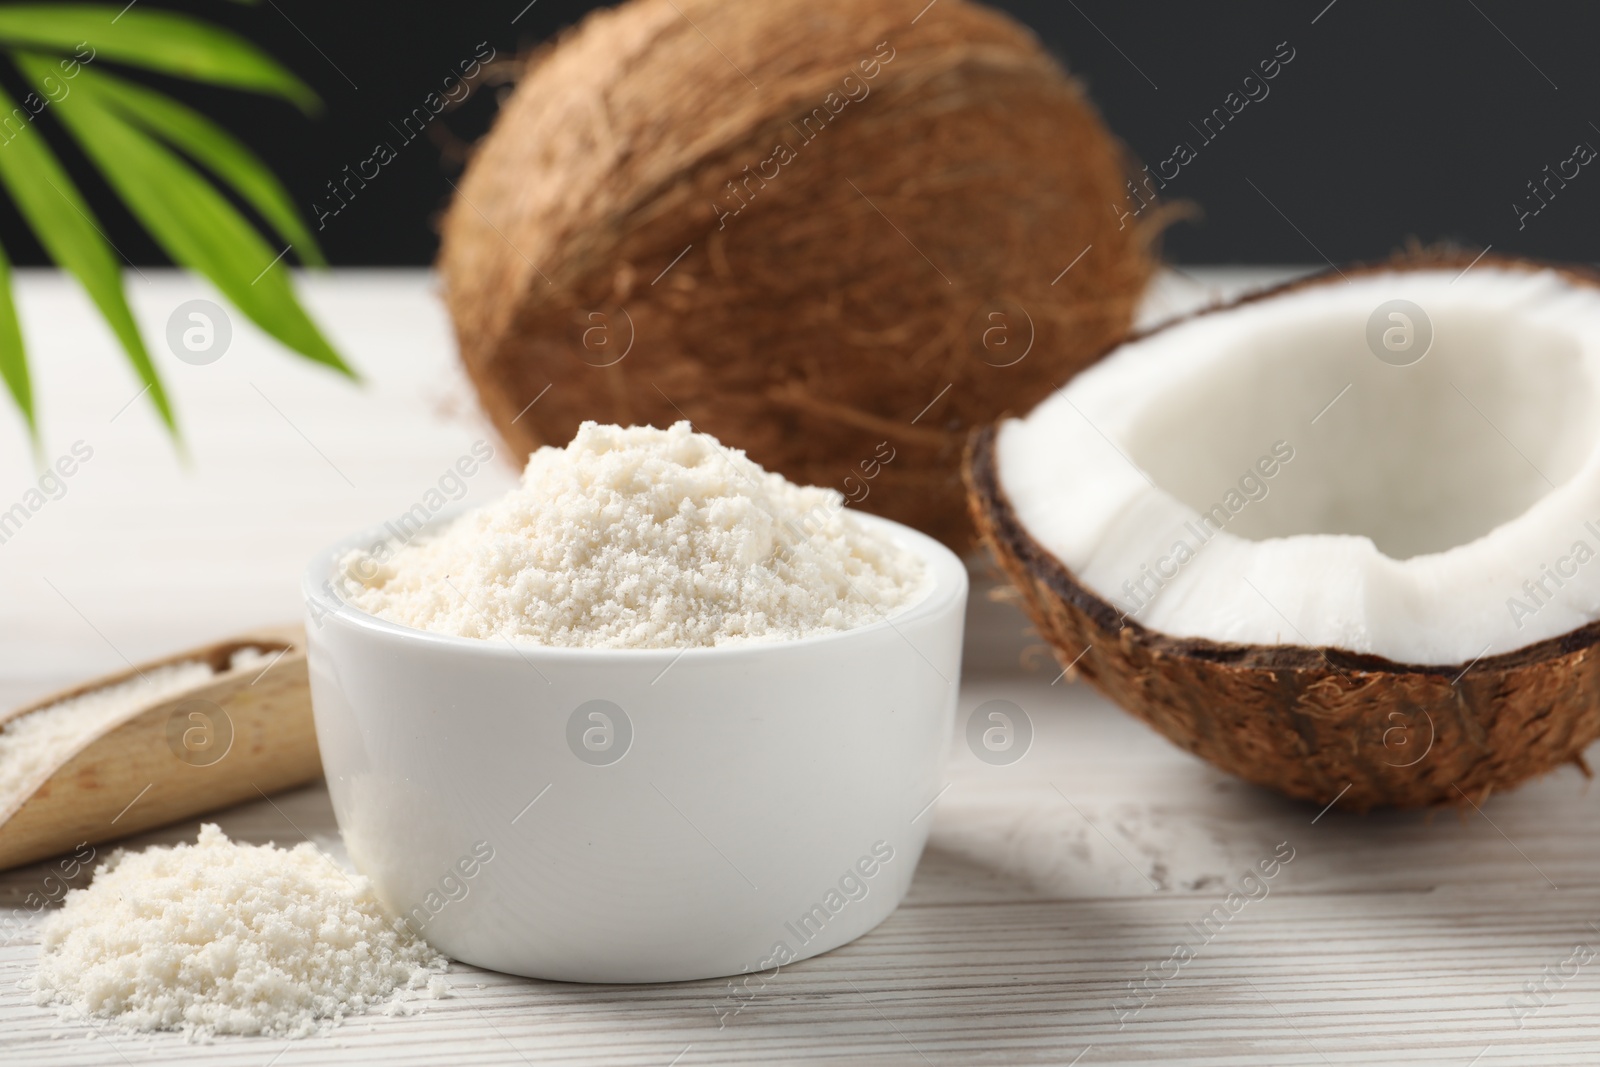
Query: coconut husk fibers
(848, 292)
(1314, 723)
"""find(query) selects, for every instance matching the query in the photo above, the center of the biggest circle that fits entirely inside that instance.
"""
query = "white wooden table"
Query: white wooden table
(1049, 885)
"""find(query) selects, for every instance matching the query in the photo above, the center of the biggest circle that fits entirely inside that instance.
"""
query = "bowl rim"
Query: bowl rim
(945, 571)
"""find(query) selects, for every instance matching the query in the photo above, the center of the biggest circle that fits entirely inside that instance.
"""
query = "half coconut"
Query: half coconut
(1340, 538)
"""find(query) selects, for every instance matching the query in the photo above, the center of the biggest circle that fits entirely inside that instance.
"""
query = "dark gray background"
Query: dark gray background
(1420, 120)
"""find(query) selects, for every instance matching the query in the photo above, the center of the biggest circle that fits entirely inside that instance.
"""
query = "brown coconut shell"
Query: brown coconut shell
(1319, 724)
(850, 300)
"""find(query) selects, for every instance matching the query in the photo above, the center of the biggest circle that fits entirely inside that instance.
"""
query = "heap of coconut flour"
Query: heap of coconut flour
(224, 938)
(642, 538)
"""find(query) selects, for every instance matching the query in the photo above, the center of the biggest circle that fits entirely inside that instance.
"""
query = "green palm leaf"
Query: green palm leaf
(162, 41)
(13, 358)
(143, 143)
(189, 218)
(60, 218)
(204, 141)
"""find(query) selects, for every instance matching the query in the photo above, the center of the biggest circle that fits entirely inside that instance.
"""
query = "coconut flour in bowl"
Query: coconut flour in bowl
(642, 538)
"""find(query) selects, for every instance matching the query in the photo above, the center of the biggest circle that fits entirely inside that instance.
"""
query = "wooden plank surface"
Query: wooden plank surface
(1049, 886)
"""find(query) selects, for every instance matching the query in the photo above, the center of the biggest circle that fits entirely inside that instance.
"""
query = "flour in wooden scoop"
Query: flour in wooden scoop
(35, 742)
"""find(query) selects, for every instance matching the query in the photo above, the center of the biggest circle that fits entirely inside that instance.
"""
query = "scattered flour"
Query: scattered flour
(34, 743)
(223, 938)
(642, 538)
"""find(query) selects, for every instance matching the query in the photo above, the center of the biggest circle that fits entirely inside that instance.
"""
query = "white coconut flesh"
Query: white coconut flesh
(1259, 476)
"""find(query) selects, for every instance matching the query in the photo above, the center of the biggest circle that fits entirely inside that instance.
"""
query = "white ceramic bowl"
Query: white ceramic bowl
(625, 815)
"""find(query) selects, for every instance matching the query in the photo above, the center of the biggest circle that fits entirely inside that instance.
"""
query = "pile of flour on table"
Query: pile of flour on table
(224, 938)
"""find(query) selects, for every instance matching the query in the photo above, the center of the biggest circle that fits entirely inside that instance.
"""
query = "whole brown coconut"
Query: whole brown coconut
(834, 233)
(1325, 725)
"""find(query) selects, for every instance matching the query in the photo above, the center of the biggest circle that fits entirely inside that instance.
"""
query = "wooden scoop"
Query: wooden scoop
(238, 735)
